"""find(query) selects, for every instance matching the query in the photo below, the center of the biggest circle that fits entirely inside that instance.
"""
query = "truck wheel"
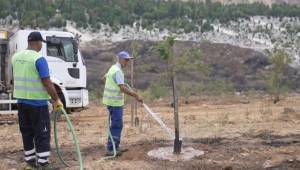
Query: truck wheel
(62, 99)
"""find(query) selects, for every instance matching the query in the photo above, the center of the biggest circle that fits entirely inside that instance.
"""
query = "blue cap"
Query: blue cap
(124, 55)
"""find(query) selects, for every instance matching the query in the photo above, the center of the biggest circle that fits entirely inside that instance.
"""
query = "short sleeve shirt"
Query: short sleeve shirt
(118, 76)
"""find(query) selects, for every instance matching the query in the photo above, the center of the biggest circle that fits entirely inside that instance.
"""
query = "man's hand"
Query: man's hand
(57, 105)
(139, 98)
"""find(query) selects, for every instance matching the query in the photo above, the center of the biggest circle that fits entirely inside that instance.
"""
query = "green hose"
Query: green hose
(74, 138)
(112, 141)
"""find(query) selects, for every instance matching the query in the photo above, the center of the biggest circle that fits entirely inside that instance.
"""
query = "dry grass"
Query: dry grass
(235, 127)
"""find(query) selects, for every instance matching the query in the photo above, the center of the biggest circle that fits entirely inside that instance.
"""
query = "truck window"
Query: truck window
(62, 48)
(68, 48)
(54, 51)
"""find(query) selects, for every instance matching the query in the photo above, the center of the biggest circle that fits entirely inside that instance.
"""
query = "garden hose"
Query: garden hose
(73, 135)
(112, 141)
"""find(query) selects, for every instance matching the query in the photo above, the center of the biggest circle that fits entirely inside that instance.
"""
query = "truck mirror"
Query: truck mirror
(75, 46)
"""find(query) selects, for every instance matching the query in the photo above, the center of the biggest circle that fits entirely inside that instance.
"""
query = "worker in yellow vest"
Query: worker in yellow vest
(113, 98)
(32, 87)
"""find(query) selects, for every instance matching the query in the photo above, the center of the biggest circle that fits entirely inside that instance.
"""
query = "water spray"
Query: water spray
(160, 122)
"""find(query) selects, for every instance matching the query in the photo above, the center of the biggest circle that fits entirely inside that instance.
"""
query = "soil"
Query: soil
(234, 134)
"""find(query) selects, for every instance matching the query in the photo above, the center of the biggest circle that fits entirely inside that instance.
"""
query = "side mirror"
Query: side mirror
(75, 46)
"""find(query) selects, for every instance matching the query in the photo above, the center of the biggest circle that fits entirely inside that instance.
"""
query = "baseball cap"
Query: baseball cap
(35, 36)
(124, 55)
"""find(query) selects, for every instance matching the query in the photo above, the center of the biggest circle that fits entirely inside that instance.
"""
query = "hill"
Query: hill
(176, 16)
(231, 67)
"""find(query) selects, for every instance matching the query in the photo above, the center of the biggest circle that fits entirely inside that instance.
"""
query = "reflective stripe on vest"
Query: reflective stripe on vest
(111, 90)
(27, 79)
(41, 89)
(112, 95)
(27, 83)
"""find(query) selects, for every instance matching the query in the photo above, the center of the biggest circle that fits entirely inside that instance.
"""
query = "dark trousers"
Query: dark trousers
(34, 123)
(116, 126)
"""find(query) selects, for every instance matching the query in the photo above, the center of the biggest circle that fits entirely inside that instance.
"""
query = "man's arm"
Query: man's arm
(50, 88)
(57, 104)
(43, 69)
(119, 79)
(129, 92)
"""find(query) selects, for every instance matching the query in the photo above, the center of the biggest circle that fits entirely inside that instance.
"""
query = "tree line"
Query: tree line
(176, 16)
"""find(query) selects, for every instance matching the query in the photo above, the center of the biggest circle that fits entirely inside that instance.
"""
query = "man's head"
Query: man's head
(35, 40)
(123, 58)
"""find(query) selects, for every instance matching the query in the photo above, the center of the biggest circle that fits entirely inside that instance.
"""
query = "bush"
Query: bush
(206, 27)
(218, 87)
(158, 91)
(96, 91)
(58, 21)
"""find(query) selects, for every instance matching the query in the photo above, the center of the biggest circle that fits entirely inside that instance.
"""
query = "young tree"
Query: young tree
(165, 50)
(280, 61)
(184, 61)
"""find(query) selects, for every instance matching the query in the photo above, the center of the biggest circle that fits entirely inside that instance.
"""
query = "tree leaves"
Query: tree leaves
(172, 15)
(280, 61)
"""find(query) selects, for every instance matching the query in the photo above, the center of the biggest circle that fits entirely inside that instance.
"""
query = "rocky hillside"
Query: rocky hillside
(240, 68)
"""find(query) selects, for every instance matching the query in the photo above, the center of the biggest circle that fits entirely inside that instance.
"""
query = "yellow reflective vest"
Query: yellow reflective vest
(27, 83)
(112, 95)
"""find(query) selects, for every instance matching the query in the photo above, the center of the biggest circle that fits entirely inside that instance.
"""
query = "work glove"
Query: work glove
(57, 106)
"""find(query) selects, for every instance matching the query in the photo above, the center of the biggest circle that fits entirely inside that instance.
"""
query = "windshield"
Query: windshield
(61, 48)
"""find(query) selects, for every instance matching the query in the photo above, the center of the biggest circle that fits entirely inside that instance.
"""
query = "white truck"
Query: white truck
(66, 65)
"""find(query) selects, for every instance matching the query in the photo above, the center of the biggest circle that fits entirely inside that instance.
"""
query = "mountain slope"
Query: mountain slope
(243, 68)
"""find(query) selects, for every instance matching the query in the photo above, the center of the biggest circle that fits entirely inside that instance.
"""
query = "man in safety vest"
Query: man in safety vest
(32, 87)
(113, 98)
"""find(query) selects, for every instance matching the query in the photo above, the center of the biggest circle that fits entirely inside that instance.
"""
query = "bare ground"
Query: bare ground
(236, 132)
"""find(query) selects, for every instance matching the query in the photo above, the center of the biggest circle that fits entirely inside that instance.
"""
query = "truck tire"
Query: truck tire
(62, 99)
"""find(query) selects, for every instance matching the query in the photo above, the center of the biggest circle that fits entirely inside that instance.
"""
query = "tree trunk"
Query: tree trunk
(177, 142)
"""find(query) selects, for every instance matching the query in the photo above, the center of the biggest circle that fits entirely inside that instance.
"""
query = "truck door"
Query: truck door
(63, 60)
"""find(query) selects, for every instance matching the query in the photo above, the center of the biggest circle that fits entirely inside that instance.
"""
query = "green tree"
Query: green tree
(206, 27)
(165, 50)
(176, 65)
(280, 61)
(174, 15)
(190, 60)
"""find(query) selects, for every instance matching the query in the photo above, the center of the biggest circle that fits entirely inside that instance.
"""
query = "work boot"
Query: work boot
(31, 165)
(47, 167)
(111, 153)
(122, 150)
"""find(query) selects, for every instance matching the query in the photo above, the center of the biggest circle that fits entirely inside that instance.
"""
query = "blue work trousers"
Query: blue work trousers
(116, 126)
(34, 124)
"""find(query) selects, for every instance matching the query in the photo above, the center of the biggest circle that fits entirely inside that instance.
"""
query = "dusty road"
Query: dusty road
(235, 132)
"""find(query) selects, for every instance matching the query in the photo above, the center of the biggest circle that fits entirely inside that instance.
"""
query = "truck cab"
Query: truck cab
(66, 64)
